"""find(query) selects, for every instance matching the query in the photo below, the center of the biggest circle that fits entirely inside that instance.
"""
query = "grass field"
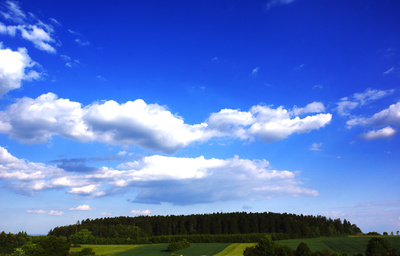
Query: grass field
(234, 250)
(105, 250)
(207, 249)
(352, 244)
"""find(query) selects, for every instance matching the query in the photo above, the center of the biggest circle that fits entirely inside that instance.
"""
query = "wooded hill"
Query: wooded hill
(195, 227)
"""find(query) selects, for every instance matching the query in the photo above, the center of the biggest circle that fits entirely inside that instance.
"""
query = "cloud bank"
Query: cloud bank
(156, 179)
(149, 126)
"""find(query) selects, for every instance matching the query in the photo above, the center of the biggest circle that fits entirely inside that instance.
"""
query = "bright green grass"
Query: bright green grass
(196, 249)
(106, 249)
(235, 249)
(351, 244)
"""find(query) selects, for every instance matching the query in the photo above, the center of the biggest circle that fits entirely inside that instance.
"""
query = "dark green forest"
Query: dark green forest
(216, 227)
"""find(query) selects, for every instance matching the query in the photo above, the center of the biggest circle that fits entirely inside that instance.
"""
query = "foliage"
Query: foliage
(82, 237)
(9, 242)
(51, 246)
(378, 246)
(87, 251)
(303, 250)
(174, 246)
(152, 229)
(266, 247)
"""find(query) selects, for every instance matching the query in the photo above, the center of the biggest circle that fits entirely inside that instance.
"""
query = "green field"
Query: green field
(197, 249)
(106, 249)
(351, 244)
(235, 249)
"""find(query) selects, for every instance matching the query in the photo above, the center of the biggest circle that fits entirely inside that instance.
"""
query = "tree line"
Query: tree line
(209, 227)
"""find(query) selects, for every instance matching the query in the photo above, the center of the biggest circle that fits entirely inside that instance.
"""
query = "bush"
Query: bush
(87, 251)
(174, 246)
(378, 246)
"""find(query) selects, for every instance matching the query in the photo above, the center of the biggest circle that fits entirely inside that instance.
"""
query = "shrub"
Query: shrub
(174, 246)
(87, 251)
(378, 246)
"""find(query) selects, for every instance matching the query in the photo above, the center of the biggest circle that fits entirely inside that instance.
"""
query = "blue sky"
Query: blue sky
(160, 107)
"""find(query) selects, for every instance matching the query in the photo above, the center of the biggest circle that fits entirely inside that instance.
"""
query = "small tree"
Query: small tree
(52, 246)
(378, 246)
(266, 247)
(303, 250)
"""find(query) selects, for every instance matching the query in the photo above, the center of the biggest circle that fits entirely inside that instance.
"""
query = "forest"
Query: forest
(216, 227)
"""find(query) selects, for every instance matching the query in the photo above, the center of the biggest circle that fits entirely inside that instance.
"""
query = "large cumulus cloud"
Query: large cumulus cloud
(156, 179)
(149, 126)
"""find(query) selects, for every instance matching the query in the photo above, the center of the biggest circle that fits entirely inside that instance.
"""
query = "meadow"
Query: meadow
(350, 244)
(206, 249)
(106, 250)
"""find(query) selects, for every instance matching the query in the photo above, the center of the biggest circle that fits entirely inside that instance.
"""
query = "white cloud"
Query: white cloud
(82, 42)
(122, 153)
(316, 146)
(199, 180)
(84, 190)
(390, 70)
(28, 177)
(56, 213)
(51, 212)
(15, 67)
(275, 124)
(30, 28)
(383, 133)
(255, 71)
(314, 107)
(141, 212)
(36, 211)
(158, 179)
(22, 170)
(38, 36)
(13, 12)
(83, 207)
(56, 22)
(150, 126)
(36, 120)
(385, 117)
(360, 99)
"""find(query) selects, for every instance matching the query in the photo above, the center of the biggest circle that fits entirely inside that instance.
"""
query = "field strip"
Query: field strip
(235, 249)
